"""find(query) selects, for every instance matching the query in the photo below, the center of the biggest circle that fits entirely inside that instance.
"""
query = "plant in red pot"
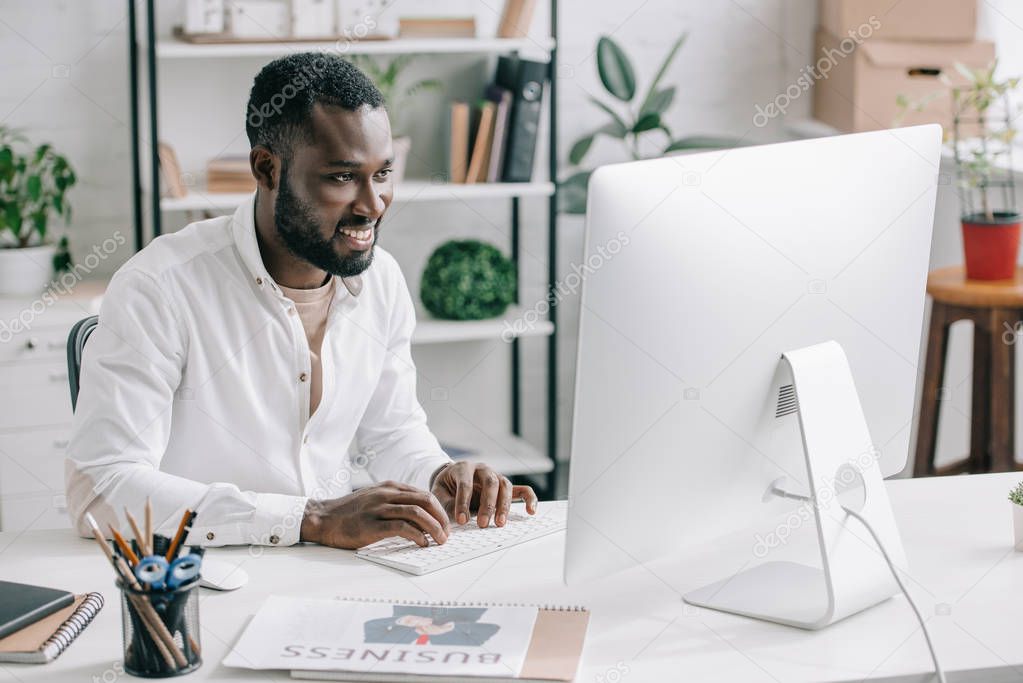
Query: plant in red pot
(983, 135)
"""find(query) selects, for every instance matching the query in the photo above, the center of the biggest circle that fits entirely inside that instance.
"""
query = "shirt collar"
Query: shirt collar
(243, 229)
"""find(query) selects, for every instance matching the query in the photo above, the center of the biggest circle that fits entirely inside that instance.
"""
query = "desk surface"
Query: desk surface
(957, 531)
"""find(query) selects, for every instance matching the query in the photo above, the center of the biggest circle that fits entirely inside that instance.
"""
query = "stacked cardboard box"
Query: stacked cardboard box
(871, 52)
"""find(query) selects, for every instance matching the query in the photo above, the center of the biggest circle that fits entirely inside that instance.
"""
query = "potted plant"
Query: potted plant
(33, 187)
(632, 119)
(1016, 496)
(983, 133)
(387, 77)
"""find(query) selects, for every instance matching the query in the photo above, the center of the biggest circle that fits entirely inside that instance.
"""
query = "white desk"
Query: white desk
(957, 533)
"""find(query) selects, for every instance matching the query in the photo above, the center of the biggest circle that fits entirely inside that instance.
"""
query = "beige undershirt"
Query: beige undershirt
(312, 306)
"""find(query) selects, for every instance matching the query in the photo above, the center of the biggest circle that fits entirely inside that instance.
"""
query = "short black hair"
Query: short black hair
(285, 90)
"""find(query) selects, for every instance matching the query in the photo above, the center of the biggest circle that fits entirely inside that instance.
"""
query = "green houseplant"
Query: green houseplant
(632, 118)
(467, 280)
(982, 135)
(388, 78)
(33, 189)
(1016, 497)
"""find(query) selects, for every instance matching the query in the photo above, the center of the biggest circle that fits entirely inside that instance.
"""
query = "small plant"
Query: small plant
(1016, 494)
(468, 280)
(982, 135)
(637, 120)
(33, 185)
(387, 77)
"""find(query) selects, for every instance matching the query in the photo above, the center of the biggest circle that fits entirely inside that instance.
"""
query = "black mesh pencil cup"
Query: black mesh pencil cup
(161, 630)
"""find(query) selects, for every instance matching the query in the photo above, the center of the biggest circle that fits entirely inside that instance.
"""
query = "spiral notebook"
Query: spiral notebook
(44, 640)
(368, 639)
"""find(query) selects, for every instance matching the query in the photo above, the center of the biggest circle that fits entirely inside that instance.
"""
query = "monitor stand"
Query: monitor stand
(817, 397)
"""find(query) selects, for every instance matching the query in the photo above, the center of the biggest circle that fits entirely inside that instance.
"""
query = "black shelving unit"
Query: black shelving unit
(147, 151)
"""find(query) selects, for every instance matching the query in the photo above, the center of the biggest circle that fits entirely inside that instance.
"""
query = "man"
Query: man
(237, 360)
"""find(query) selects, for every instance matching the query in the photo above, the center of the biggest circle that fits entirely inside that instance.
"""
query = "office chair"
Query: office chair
(75, 347)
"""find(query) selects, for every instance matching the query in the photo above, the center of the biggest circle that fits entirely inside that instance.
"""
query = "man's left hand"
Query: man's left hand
(465, 487)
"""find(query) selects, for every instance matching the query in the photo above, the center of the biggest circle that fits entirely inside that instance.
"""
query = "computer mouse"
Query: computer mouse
(221, 575)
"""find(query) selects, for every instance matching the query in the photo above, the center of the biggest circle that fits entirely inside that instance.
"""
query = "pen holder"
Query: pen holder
(160, 630)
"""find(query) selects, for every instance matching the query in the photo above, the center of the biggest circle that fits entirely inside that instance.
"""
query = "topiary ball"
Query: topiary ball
(467, 280)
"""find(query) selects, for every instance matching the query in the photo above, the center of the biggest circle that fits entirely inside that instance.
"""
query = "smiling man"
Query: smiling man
(240, 362)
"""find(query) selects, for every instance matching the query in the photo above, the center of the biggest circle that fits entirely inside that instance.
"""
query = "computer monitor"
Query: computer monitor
(701, 271)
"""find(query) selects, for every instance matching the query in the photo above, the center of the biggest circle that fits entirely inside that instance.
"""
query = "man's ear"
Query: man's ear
(265, 167)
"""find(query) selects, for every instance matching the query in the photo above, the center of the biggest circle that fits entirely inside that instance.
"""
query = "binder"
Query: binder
(525, 80)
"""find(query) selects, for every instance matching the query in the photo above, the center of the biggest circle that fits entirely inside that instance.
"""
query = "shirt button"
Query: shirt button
(275, 539)
(291, 311)
(210, 536)
(259, 281)
(303, 377)
(305, 439)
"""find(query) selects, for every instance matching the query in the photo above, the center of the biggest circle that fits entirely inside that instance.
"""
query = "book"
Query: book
(502, 97)
(22, 604)
(458, 142)
(45, 640)
(479, 160)
(525, 79)
(441, 27)
(170, 169)
(352, 638)
(516, 18)
(229, 173)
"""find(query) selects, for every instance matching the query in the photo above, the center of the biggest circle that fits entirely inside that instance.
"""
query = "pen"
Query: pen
(186, 522)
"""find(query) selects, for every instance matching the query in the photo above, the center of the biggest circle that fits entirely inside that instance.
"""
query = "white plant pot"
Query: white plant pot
(401, 145)
(27, 270)
(1017, 526)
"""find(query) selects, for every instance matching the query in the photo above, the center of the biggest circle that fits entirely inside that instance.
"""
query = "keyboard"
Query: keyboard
(466, 541)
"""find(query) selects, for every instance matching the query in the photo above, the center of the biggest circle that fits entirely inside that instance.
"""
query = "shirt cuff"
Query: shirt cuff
(421, 475)
(276, 521)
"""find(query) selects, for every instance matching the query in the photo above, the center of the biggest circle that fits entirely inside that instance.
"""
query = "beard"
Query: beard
(297, 226)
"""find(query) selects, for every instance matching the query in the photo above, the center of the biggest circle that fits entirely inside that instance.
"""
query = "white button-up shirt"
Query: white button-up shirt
(195, 392)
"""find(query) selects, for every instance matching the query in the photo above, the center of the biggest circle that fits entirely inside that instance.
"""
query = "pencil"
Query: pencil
(179, 536)
(126, 550)
(139, 538)
(149, 526)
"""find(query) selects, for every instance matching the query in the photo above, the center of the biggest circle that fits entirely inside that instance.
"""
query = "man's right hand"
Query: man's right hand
(374, 513)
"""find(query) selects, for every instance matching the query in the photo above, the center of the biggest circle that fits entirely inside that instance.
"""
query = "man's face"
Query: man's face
(334, 191)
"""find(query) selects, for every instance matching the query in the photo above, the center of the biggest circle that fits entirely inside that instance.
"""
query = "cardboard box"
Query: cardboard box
(953, 20)
(863, 82)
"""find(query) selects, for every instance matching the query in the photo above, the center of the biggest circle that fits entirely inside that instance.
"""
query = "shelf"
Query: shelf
(411, 191)
(169, 48)
(433, 331)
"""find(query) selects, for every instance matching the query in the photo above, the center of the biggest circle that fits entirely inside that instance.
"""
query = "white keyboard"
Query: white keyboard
(466, 541)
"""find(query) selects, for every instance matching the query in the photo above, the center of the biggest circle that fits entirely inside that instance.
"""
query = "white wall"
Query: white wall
(63, 67)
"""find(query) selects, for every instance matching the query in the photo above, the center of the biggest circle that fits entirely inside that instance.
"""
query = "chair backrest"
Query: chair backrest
(75, 346)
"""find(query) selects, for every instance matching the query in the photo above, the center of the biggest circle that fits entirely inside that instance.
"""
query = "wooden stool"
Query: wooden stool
(996, 309)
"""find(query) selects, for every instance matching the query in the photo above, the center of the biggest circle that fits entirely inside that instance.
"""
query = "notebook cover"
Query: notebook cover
(22, 604)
